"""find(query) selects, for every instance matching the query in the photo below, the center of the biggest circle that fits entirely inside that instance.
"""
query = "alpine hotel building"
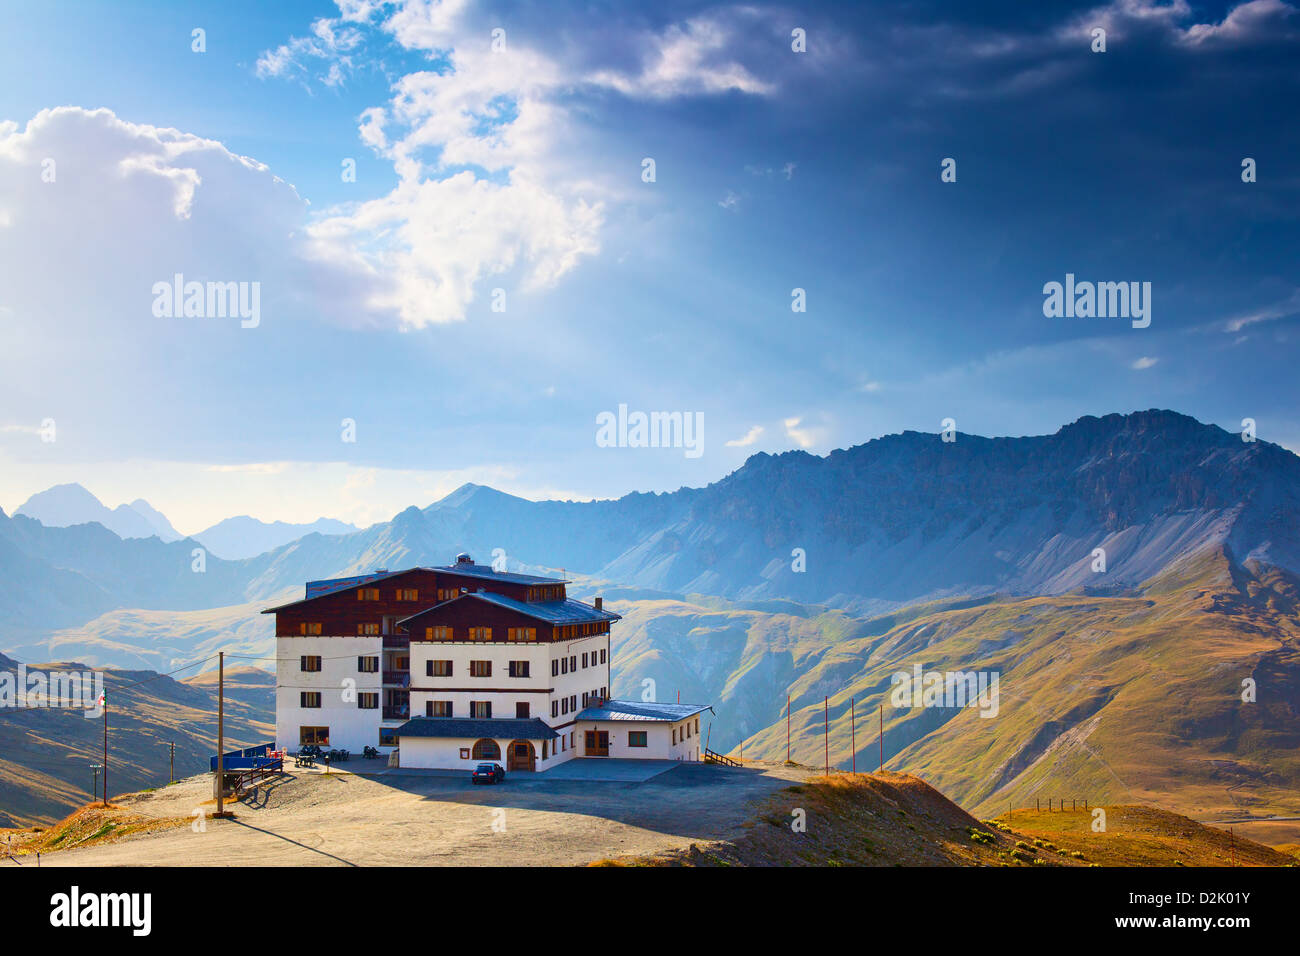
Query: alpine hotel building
(457, 664)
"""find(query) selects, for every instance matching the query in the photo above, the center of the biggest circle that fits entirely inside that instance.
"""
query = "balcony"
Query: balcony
(397, 712)
(397, 678)
(397, 641)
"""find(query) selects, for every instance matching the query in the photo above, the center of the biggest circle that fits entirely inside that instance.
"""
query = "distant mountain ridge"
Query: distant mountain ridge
(71, 504)
(245, 537)
(899, 519)
(242, 536)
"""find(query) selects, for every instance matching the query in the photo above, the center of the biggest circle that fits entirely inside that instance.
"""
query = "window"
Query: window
(636, 738)
(368, 701)
(480, 633)
(564, 665)
(564, 705)
(309, 698)
(584, 660)
(310, 664)
(674, 736)
(519, 668)
(437, 633)
(573, 662)
(697, 726)
(305, 628)
(388, 737)
(367, 594)
(573, 702)
(555, 708)
(365, 629)
(688, 728)
(584, 698)
(446, 594)
(570, 738)
(437, 668)
(604, 693)
(555, 668)
(521, 710)
(314, 735)
(408, 594)
(521, 634)
(480, 709)
(602, 655)
(368, 665)
(480, 668)
(437, 708)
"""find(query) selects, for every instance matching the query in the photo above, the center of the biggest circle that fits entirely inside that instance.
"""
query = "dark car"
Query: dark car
(488, 773)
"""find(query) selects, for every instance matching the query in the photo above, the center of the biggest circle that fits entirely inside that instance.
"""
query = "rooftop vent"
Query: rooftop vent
(464, 558)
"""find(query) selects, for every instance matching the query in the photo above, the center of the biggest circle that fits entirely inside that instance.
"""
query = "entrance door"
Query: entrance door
(597, 743)
(521, 756)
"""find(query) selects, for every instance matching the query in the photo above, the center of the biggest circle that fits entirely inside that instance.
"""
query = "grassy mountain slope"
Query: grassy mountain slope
(46, 753)
(1112, 698)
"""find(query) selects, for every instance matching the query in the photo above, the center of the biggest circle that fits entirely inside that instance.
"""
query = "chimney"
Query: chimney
(600, 603)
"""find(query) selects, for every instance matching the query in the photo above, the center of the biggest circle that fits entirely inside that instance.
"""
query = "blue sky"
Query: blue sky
(520, 169)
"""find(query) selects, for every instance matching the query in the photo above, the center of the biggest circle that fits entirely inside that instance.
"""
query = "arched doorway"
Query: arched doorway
(521, 755)
(486, 749)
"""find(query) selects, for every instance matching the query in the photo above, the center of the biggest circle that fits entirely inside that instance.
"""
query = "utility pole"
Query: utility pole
(882, 738)
(826, 717)
(787, 728)
(95, 768)
(221, 735)
(853, 733)
(171, 765)
(104, 699)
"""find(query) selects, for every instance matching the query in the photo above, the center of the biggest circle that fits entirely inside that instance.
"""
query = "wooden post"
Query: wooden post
(853, 733)
(882, 738)
(105, 775)
(787, 728)
(826, 717)
(221, 733)
(171, 765)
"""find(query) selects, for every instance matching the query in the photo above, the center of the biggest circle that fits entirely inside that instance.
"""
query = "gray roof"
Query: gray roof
(567, 611)
(471, 728)
(486, 571)
(317, 589)
(640, 710)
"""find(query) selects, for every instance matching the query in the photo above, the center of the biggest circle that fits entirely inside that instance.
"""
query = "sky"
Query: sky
(462, 261)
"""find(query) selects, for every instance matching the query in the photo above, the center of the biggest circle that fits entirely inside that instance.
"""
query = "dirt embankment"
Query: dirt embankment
(889, 819)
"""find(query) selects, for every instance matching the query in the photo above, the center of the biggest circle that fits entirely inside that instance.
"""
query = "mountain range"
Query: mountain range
(898, 520)
(239, 537)
(1123, 574)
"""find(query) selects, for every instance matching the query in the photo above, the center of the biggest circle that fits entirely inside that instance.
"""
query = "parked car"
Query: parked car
(488, 773)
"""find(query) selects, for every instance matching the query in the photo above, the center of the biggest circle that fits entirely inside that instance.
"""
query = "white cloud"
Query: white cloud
(729, 201)
(1248, 23)
(1267, 314)
(685, 59)
(1144, 362)
(802, 435)
(747, 439)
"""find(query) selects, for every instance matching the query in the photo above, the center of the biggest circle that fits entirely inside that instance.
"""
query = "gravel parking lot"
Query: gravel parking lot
(310, 818)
